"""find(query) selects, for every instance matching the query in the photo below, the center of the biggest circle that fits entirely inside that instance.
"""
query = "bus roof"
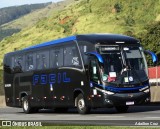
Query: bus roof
(71, 38)
(108, 38)
(94, 38)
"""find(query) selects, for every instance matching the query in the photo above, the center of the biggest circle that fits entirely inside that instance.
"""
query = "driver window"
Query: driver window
(94, 71)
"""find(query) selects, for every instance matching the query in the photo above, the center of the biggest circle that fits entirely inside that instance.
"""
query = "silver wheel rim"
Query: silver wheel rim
(81, 104)
(25, 105)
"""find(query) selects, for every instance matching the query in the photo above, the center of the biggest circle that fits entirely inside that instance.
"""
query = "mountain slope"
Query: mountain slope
(8, 14)
(88, 16)
(30, 19)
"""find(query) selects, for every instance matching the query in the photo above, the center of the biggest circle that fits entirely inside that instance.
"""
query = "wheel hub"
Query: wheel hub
(81, 104)
(25, 105)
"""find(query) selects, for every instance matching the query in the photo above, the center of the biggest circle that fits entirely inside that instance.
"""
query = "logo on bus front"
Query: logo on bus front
(51, 78)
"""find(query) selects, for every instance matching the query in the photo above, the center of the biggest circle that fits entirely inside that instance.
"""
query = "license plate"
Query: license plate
(129, 103)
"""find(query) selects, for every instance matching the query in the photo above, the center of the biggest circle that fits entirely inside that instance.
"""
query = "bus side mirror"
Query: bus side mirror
(153, 55)
(97, 55)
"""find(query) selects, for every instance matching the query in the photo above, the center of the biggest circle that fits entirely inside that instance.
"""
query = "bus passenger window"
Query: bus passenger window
(44, 63)
(38, 61)
(42, 60)
(18, 63)
(56, 58)
(59, 57)
(12, 59)
(71, 57)
(84, 49)
(52, 59)
(29, 63)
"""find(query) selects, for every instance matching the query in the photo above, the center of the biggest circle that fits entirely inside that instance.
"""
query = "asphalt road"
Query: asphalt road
(135, 113)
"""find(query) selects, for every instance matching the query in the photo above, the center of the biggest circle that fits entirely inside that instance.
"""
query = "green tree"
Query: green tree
(151, 40)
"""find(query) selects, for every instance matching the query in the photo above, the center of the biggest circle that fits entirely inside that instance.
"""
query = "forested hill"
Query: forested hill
(136, 18)
(31, 18)
(11, 13)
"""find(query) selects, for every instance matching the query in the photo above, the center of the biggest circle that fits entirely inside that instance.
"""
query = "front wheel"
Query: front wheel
(122, 109)
(27, 106)
(81, 105)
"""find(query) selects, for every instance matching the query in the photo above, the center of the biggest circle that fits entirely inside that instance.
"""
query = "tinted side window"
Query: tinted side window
(7, 63)
(59, 57)
(71, 56)
(42, 60)
(12, 60)
(18, 63)
(30, 62)
(53, 62)
(94, 72)
(84, 47)
(56, 57)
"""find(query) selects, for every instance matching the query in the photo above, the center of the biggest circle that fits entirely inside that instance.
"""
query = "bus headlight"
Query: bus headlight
(108, 92)
(105, 91)
(144, 88)
(146, 91)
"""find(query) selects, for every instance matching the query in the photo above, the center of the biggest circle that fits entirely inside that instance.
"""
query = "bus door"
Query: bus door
(95, 81)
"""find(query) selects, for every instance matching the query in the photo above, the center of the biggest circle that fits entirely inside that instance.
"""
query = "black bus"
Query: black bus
(83, 71)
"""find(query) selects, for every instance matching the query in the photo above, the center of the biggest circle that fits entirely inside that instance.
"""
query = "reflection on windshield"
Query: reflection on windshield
(119, 66)
(112, 66)
(134, 59)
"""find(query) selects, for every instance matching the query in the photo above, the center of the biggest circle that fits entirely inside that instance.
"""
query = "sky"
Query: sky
(7, 3)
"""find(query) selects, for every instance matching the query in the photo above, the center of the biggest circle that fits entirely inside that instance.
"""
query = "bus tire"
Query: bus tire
(26, 105)
(122, 109)
(81, 105)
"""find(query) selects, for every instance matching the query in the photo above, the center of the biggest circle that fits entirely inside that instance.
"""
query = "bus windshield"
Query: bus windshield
(112, 65)
(133, 58)
(127, 62)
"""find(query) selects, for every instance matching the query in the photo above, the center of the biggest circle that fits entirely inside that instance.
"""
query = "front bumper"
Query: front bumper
(126, 99)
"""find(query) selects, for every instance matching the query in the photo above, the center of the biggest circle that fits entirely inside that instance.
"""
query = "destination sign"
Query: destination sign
(109, 48)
